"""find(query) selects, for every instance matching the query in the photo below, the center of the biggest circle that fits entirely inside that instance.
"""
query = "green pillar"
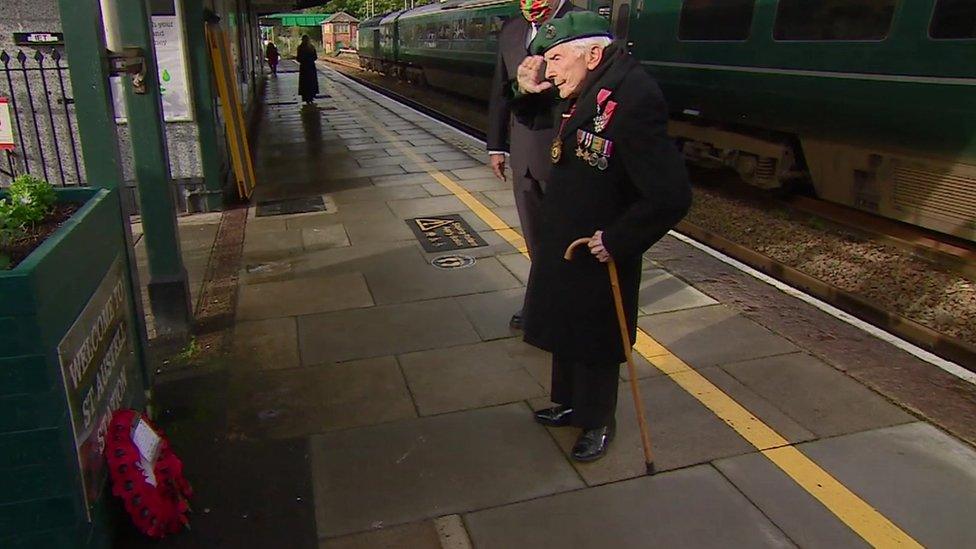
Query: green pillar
(201, 88)
(169, 293)
(84, 38)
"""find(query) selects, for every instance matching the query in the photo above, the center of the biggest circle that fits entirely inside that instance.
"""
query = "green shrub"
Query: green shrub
(27, 202)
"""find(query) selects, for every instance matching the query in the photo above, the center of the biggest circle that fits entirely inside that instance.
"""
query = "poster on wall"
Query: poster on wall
(170, 59)
(6, 128)
(171, 65)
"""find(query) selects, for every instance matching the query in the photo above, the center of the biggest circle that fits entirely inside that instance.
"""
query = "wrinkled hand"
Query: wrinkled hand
(597, 249)
(530, 78)
(498, 166)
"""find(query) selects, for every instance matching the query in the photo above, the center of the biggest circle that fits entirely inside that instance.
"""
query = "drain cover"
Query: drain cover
(449, 262)
(291, 206)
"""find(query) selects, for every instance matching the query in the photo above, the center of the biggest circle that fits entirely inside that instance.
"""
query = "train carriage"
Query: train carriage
(870, 100)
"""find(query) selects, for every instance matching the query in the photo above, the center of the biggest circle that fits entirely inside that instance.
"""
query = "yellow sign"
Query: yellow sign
(6, 128)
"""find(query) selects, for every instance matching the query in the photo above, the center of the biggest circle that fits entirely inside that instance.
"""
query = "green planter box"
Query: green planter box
(68, 357)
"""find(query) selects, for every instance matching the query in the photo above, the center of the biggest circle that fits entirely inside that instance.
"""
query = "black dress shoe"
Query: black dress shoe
(557, 416)
(516, 322)
(593, 443)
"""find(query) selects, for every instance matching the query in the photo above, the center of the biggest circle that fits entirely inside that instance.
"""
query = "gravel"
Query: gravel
(892, 278)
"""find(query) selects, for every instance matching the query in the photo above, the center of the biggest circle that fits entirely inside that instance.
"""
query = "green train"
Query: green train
(872, 101)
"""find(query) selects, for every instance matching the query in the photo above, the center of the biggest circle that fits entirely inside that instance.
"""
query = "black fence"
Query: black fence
(42, 117)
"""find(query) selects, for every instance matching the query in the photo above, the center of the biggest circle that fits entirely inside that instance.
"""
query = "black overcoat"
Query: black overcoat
(642, 193)
(308, 74)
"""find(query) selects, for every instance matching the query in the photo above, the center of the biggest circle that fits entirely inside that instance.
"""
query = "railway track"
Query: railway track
(908, 325)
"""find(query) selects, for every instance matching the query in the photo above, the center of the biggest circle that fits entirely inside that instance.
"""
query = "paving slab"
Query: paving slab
(467, 376)
(480, 172)
(518, 265)
(801, 516)
(271, 244)
(303, 401)
(303, 296)
(661, 292)
(380, 194)
(399, 180)
(270, 344)
(501, 197)
(379, 230)
(816, 395)
(438, 465)
(762, 408)
(683, 432)
(491, 312)
(415, 535)
(487, 184)
(330, 236)
(707, 336)
(691, 508)
(406, 276)
(420, 207)
(381, 331)
(920, 478)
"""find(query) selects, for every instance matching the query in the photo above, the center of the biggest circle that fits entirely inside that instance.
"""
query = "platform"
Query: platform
(370, 399)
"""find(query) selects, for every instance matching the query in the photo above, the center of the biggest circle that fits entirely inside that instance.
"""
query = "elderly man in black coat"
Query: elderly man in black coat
(616, 178)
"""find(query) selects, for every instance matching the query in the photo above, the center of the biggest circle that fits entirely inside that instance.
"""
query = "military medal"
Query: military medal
(556, 151)
(593, 149)
(604, 110)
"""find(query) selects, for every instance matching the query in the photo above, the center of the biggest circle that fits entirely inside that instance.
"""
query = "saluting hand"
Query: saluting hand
(530, 78)
(597, 249)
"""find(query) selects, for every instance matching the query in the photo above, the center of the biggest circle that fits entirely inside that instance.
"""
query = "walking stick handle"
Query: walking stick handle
(568, 256)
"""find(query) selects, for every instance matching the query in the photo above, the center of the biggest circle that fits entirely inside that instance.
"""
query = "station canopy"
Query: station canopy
(264, 7)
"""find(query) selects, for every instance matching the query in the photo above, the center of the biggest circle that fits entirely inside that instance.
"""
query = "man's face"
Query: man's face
(566, 68)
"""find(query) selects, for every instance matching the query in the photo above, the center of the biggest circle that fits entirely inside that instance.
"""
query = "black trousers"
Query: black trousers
(590, 389)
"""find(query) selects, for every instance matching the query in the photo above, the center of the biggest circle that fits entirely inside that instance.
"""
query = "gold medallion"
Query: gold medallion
(556, 151)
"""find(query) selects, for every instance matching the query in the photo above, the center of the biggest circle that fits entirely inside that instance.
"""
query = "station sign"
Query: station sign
(99, 365)
(39, 38)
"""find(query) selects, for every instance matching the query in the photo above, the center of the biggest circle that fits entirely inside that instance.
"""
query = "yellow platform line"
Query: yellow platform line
(847, 506)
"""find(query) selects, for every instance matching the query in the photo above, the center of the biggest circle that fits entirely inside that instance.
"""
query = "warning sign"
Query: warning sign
(6, 129)
(444, 233)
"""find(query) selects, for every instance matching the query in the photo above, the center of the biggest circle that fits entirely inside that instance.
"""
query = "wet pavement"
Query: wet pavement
(371, 399)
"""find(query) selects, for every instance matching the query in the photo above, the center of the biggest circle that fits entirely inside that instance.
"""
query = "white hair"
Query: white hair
(583, 45)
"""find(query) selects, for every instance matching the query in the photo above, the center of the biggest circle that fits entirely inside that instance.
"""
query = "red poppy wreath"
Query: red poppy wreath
(147, 475)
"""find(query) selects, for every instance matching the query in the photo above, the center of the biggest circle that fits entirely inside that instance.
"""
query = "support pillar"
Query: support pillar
(84, 38)
(199, 66)
(169, 292)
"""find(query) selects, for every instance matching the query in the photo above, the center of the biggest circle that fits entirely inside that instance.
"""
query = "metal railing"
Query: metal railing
(42, 116)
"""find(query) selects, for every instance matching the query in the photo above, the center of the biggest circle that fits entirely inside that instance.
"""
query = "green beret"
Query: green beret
(573, 25)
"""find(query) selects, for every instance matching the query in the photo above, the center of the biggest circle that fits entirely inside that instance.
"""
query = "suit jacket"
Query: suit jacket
(531, 146)
(642, 192)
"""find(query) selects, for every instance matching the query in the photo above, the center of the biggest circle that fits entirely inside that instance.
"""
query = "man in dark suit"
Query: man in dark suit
(617, 179)
(528, 156)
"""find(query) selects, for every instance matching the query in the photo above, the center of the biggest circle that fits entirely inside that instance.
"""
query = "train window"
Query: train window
(954, 19)
(715, 19)
(476, 28)
(833, 19)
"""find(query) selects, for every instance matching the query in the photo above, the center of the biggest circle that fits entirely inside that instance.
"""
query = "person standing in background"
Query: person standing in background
(529, 148)
(271, 55)
(308, 74)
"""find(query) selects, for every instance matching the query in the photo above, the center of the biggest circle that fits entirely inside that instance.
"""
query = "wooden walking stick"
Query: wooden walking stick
(625, 338)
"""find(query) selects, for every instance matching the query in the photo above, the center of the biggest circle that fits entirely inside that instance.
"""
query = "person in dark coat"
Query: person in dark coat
(528, 148)
(271, 55)
(617, 179)
(308, 74)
